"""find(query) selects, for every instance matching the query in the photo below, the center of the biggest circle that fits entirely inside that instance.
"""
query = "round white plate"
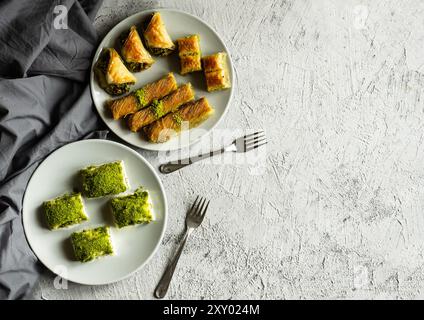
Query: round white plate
(178, 24)
(58, 174)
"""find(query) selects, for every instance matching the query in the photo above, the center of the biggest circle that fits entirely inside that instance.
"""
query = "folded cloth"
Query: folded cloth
(45, 103)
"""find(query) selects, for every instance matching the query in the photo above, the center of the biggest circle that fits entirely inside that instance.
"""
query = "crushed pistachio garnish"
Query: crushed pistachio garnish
(140, 94)
(157, 109)
(177, 118)
(132, 209)
(103, 180)
(64, 211)
(91, 244)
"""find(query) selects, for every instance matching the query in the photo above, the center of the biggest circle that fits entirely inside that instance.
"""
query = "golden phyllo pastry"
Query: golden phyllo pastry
(189, 53)
(112, 74)
(135, 56)
(216, 72)
(187, 116)
(160, 108)
(156, 37)
(143, 97)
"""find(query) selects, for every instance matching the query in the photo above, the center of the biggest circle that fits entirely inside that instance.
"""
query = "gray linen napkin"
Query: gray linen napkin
(45, 103)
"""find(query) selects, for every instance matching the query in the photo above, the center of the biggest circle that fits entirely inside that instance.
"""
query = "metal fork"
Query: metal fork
(193, 219)
(242, 144)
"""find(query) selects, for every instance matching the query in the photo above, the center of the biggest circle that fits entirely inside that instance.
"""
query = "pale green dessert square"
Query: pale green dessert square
(103, 180)
(132, 209)
(91, 244)
(64, 211)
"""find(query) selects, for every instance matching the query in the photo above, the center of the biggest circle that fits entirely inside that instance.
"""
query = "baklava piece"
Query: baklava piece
(216, 72)
(135, 56)
(91, 244)
(189, 53)
(64, 211)
(112, 74)
(102, 180)
(157, 39)
(160, 108)
(187, 116)
(132, 209)
(143, 97)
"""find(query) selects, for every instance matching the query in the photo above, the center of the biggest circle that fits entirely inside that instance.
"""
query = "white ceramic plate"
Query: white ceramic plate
(58, 174)
(178, 24)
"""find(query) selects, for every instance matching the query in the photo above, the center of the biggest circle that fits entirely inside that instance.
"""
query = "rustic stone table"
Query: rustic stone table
(334, 208)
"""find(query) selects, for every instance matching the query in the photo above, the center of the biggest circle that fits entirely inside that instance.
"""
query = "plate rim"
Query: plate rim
(159, 147)
(165, 214)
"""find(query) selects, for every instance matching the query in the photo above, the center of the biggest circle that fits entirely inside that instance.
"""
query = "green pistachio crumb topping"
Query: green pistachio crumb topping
(118, 89)
(177, 118)
(103, 180)
(91, 244)
(64, 211)
(140, 94)
(132, 209)
(157, 109)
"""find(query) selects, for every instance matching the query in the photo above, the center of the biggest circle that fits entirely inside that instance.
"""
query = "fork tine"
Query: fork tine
(259, 136)
(191, 211)
(200, 207)
(252, 134)
(206, 209)
(256, 146)
(255, 142)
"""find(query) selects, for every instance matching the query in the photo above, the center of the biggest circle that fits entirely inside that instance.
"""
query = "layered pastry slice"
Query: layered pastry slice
(91, 244)
(135, 56)
(111, 73)
(132, 209)
(160, 108)
(189, 54)
(187, 116)
(216, 72)
(102, 180)
(64, 211)
(143, 97)
(157, 39)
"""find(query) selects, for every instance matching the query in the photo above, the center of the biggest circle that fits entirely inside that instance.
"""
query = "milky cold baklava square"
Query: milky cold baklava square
(102, 180)
(132, 209)
(64, 211)
(91, 244)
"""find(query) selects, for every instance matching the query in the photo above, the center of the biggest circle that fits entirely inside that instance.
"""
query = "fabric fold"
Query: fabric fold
(45, 103)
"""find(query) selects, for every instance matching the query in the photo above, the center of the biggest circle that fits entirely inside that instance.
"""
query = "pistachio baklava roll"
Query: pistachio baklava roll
(111, 73)
(189, 54)
(160, 108)
(135, 56)
(192, 113)
(143, 97)
(156, 37)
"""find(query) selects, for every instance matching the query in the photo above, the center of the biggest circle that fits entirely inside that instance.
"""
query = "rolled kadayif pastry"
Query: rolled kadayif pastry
(143, 97)
(160, 108)
(193, 113)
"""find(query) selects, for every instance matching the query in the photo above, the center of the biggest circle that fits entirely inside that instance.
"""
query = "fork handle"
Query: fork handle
(163, 285)
(176, 165)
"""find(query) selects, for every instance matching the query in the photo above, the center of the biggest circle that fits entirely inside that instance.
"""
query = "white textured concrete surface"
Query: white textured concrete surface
(337, 209)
